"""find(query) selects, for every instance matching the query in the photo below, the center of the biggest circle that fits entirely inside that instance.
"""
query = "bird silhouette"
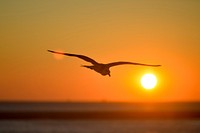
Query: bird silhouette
(101, 68)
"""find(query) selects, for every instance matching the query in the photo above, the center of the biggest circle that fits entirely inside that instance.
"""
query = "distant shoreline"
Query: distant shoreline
(99, 110)
(112, 115)
(104, 101)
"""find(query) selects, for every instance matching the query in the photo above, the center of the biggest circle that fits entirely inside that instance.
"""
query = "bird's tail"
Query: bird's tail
(90, 67)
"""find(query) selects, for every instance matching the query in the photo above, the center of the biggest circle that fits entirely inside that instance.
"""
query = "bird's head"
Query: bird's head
(109, 75)
(108, 72)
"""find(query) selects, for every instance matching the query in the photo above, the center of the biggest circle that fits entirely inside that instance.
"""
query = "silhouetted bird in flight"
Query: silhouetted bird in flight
(101, 68)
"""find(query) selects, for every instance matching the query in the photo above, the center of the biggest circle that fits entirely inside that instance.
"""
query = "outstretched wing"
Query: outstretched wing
(85, 58)
(131, 63)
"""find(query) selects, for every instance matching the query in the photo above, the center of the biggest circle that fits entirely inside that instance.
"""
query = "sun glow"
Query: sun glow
(148, 81)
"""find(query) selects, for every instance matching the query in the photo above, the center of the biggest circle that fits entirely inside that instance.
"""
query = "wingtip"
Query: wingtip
(50, 51)
(156, 65)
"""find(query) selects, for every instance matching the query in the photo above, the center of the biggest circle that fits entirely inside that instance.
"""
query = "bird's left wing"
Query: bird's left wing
(76, 55)
(131, 63)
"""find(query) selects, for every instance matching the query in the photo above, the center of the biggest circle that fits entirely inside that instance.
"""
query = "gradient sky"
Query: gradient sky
(155, 32)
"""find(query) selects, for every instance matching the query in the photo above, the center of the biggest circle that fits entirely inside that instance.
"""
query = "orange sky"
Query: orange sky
(154, 32)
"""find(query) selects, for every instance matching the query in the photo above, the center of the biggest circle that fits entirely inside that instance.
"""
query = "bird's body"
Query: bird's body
(101, 68)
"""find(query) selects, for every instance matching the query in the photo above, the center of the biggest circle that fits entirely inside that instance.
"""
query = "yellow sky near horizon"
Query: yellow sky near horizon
(154, 32)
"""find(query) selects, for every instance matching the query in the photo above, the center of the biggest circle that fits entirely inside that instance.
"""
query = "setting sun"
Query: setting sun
(148, 81)
(144, 37)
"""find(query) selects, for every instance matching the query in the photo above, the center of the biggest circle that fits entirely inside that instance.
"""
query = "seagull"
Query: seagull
(101, 68)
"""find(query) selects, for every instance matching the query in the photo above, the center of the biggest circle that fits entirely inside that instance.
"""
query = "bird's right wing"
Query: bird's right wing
(85, 58)
(131, 63)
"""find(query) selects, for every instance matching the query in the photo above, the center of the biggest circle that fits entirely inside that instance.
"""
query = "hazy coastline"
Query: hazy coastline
(99, 110)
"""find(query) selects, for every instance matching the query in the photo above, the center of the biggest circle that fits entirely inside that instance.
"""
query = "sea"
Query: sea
(115, 124)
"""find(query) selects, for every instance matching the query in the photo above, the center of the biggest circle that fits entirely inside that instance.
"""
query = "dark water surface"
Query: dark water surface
(94, 125)
(100, 126)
